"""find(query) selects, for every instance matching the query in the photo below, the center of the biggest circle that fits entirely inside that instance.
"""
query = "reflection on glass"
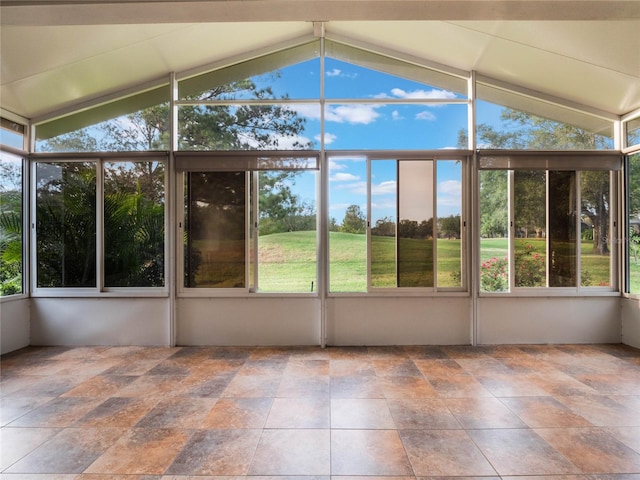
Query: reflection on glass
(595, 238)
(415, 228)
(66, 224)
(383, 223)
(562, 229)
(215, 229)
(10, 224)
(633, 132)
(134, 224)
(347, 247)
(633, 241)
(530, 222)
(494, 242)
(287, 232)
(449, 226)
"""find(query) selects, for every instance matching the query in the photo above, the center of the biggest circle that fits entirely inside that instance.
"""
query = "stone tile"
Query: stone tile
(253, 386)
(406, 387)
(72, 450)
(292, 452)
(601, 410)
(18, 442)
(630, 436)
(151, 385)
(361, 413)
(544, 412)
(427, 413)
(368, 452)
(12, 408)
(368, 386)
(483, 412)
(457, 386)
(439, 367)
(234, 413)
(299, 413)
(351, 367)
(216, 452)
(395, 367)
(520, 452)
(148, 451)
(177, 412)
(59, 412)
(298, 387)
(117, 412)
(100, 386)
(593, 450)
(444, 453)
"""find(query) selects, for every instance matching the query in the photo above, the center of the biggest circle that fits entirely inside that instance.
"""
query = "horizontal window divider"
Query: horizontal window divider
(549, 160)
(249, 101)
(246, 160)
(134, 293)
(159, 155)
(398, 101)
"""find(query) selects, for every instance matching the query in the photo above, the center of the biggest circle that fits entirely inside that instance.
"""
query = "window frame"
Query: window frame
(251, 162)
(572, 161)
(100, 290)
(626, 247)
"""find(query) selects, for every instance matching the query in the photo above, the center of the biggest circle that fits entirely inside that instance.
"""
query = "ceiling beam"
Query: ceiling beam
(103, 12)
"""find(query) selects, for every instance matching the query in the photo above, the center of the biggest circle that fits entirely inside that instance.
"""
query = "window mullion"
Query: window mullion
(100, 244)
(511, 229)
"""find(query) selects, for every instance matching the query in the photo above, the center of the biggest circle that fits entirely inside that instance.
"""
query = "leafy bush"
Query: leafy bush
(493, 275)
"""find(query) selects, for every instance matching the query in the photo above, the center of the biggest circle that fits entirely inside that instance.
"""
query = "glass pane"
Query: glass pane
(10, 224)
(249, 127)
(449, 211)
(595, 246)
(634, 223)
(530, 221)
(134, 224)
(415, 228)
(143, 130)
(633, 132)
(12, 133)
(494, 240)
(347, 224)
(393, 127)
(347, 80)
(501, 126)
(384, 223)
(215, 231)
(562, 229)
(66, 224)
(287, 232)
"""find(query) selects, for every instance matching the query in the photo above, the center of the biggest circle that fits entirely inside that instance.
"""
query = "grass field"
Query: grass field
(288, 262)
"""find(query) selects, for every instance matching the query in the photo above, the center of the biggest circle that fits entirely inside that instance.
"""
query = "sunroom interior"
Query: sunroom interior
(319, 173)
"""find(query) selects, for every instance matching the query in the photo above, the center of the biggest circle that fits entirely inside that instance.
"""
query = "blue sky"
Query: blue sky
(374, 126)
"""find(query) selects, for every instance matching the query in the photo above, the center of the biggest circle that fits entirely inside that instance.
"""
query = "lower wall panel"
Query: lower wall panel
(14, 325)
(398, 321)
(521, 320)
(631, 321)
(248, 321)
(100, 321)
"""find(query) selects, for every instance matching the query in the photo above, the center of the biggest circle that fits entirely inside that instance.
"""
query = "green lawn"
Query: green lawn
(288, 262)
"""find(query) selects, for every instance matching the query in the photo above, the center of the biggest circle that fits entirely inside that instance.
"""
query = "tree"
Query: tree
(354, 220)
(449, 227)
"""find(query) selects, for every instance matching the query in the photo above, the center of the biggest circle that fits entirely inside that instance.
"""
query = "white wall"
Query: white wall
(631, 321)
(398, 321)
(14, 324)
(549, 320)
(100, 321)
(248, 321)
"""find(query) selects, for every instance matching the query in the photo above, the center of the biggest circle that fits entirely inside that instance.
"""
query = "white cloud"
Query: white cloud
(425, 115)
(395, 115)
(334, 73)
(353, 114)
(450, 187)
(344, 177)
(384, 188)
(433, 94)
(329, 138)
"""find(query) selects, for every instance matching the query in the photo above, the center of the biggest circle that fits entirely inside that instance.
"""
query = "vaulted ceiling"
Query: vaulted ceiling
(57, 54)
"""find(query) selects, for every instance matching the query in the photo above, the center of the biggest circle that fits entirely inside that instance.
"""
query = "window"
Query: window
(12, 134)
(250, 223)
(408, 245)
(633, 188)
(11, 224)
(120, 202)
(632, 130)
(546, 227)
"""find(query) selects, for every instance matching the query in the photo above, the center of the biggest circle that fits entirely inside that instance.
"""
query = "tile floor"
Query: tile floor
(564, 412)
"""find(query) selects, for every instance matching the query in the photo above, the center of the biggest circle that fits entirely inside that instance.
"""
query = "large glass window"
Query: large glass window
(633, 188)
(121, 202)
(66, 224)
(545, 228)
(11, 224)
(251, 229)
(134, 224)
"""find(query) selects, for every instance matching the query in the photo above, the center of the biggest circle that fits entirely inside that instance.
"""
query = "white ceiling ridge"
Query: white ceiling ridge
(103, 99)
(101, 12)
(545, 50)
(403, 57)
(248, 56)
(543, 97)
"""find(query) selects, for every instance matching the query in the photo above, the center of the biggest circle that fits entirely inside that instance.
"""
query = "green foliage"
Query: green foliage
(530, 267)
(493, 203)
(354, 220)
(494, 276)
(449, 227)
